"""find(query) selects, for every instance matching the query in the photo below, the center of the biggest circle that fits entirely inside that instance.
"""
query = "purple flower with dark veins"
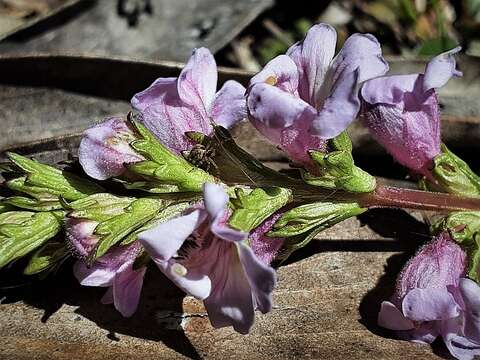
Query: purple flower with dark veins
(306, 96)
(172, 106)
(402, 112)
(105, 149)
(209, 260)
(115, 271)
(433, 298)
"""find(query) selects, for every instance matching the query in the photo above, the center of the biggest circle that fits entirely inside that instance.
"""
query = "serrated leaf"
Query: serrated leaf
(23, 232)
(54, 181)
(99, 207)
(250, 210)
(47, 257)
(113, 230)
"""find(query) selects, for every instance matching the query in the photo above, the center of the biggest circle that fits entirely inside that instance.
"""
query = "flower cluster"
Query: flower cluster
(214, 219)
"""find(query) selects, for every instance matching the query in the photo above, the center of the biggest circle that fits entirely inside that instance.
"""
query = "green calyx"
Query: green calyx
(23, 231)
(454, 175)
(44, 182)
(171, 172)
(301, 224)
(250, 210)
(47, 258)
(337, 169)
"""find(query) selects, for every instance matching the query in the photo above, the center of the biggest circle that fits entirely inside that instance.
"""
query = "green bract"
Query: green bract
(337, 168)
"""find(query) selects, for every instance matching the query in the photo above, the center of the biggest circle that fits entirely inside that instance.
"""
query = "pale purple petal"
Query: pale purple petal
(104, 149)
(127, 286)
(162, 89)
(266, 248)
(164, 240)
(103, 270)
(215, 199)
(94, 276)
(281, 72)
(193, 280)
(340, 107)
(423, 333)
(313, 56)
(197, 82)
(460, 347)
(80, 237)
(429, 304)
(471, 296)
(229, 105)
(391, 89)
(169, 120)
(261, 277)
(276, 109)
(440, 69)
(225, 232)
(390, 317)
(230, 302)
(362, 52)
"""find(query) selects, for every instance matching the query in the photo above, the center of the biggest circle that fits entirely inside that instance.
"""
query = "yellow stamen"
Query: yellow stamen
(179, 269)
(271, 80)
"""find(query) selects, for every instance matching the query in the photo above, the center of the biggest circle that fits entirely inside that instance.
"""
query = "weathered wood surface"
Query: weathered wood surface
(326, 303)
(167, 29)
(44, 96)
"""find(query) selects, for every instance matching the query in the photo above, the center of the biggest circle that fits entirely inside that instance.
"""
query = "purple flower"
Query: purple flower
(433, 298)
(172, 106)
(105, 149)
(209, 260)
(402, 112)
(266, 248)
(308, 95)
(80, 237)
(115, 271)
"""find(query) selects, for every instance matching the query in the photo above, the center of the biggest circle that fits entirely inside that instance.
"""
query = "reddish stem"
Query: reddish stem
(387, 196)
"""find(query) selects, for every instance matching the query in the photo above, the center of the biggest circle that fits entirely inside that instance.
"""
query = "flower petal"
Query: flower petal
(313, 56)
(107, 298)
(229, 105)
(275, 109)
(164, 240)
(105, 149)
(429, 304)
(471, 297)
(162, 89)
(391, 89)
(230, 302)
(226, 233)
(195, 282)
(94, 276)
(261, 277)
(197, 82)
(169, 120)
(461, 347)
(215, 199)
(266, 248)
(281, 72)
(390, 317)
(339, 109)
(127, 286)
(440, 69)
(79, 236)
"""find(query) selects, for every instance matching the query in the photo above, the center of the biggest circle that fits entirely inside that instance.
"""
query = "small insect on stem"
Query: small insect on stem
(202, 156)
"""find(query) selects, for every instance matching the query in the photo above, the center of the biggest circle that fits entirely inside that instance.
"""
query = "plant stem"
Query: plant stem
(387, 196)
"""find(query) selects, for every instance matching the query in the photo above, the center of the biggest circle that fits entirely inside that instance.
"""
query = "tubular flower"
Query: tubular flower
(172, 106)
(402, 112)
(306, 96)
(105, 149)
(211, 261)
(115, 271)
(433, 298)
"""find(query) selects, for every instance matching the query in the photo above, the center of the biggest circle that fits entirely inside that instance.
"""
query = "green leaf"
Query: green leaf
(46, 181)
(437, 46)
(47, 257)
(337, 169)
(99, 207)
(33, 204)
(250, 210)
(454, 175)
(164, 215)
(462, 226)
(113, 230)
(22, 232)
(164, 166)
(306, 217)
